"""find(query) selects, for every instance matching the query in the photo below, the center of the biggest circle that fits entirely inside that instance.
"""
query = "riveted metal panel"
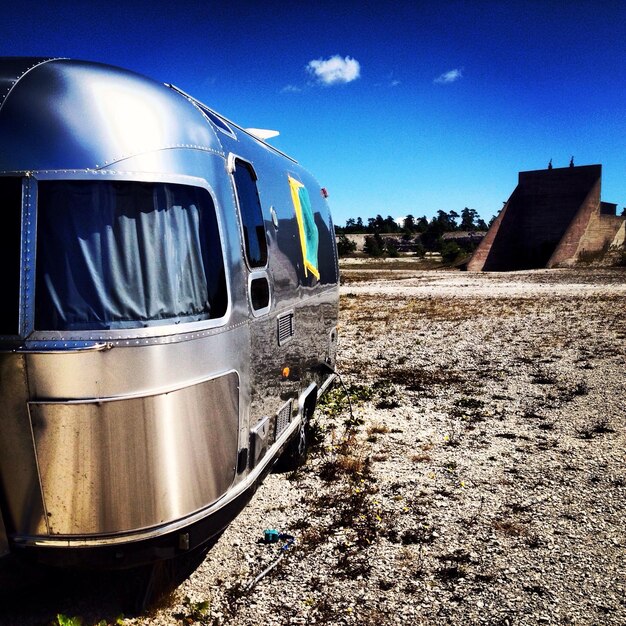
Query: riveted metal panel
(76, 115)
(18, 468)
(134, 370)
(115, 466)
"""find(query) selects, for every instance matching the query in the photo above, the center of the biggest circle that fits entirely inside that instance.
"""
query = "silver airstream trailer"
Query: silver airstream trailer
(168, 319)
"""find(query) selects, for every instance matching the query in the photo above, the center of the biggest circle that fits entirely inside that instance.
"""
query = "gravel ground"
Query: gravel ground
(479, 480)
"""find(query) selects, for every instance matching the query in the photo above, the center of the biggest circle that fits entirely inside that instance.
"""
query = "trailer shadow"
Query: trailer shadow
(97, 597)
(38, 599)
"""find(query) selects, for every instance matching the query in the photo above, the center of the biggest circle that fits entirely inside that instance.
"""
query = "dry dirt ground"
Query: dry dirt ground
(480, 479)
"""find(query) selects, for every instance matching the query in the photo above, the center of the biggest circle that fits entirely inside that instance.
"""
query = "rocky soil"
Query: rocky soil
(480, 478)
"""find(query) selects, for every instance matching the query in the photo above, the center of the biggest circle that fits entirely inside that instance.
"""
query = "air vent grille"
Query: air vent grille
(283, 418)
(285, 328)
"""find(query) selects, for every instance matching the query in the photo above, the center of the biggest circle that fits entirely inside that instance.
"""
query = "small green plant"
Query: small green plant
(335, 403)
(64, 620)
(455, 432)
(195, 612)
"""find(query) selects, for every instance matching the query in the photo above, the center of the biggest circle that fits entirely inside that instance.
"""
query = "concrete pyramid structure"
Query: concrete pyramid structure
(552, 217)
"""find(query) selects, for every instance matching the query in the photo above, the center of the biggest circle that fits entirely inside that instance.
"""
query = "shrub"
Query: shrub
(345, 246)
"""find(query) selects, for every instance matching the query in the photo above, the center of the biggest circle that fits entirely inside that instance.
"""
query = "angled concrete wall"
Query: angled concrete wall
(549, 219)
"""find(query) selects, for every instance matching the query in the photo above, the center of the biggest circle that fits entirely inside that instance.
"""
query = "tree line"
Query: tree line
(420, 235)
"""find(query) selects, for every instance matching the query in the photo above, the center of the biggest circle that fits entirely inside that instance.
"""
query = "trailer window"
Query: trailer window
(251, 214)
(119, 254)
(10, 237)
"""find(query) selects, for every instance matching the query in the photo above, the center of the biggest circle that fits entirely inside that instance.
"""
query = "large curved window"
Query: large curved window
(120, 254)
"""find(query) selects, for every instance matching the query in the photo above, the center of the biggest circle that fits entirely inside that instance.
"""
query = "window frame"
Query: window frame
(232, 166)
(24, 254)
(151, 334)
(252, 277)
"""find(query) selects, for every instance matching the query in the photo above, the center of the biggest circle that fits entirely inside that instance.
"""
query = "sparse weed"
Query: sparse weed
(454, 432)
(233, 596)
(387, 395)
(450, 573)
(509, 527)
(534, 541)
(599, 426)
(543, 377)
(377, 428)
(64, 620)
(419, 535)
(458, 556)
(468, 409)
(386, 584)
(335, 402)
(195, 612)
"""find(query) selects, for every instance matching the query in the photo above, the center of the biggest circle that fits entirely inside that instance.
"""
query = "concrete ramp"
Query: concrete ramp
(550, 218)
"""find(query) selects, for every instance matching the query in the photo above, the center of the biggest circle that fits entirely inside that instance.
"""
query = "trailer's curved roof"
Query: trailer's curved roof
(62, 114)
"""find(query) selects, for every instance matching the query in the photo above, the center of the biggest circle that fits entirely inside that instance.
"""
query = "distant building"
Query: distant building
(465, 238)
(551, 218)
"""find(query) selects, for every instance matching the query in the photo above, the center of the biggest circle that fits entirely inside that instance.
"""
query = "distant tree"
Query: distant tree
(391, 248)
(422, 224)
(451, 252)
(431, 237)
(345, 246)
(409, 224)
(491, 221)
(374, 245)
(623, 211)
(420, 251)
(468, 219)
(446, 221)
(359, 225)
(350, 225)
(391, 226)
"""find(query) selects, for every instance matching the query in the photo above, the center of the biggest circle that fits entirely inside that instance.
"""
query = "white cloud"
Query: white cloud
(290, 89)
(449, 77)
(334, 70)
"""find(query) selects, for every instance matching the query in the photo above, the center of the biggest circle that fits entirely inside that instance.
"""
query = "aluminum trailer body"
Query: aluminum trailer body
(169, 311)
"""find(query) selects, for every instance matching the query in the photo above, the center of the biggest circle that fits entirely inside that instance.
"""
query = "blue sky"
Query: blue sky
(396, 107)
